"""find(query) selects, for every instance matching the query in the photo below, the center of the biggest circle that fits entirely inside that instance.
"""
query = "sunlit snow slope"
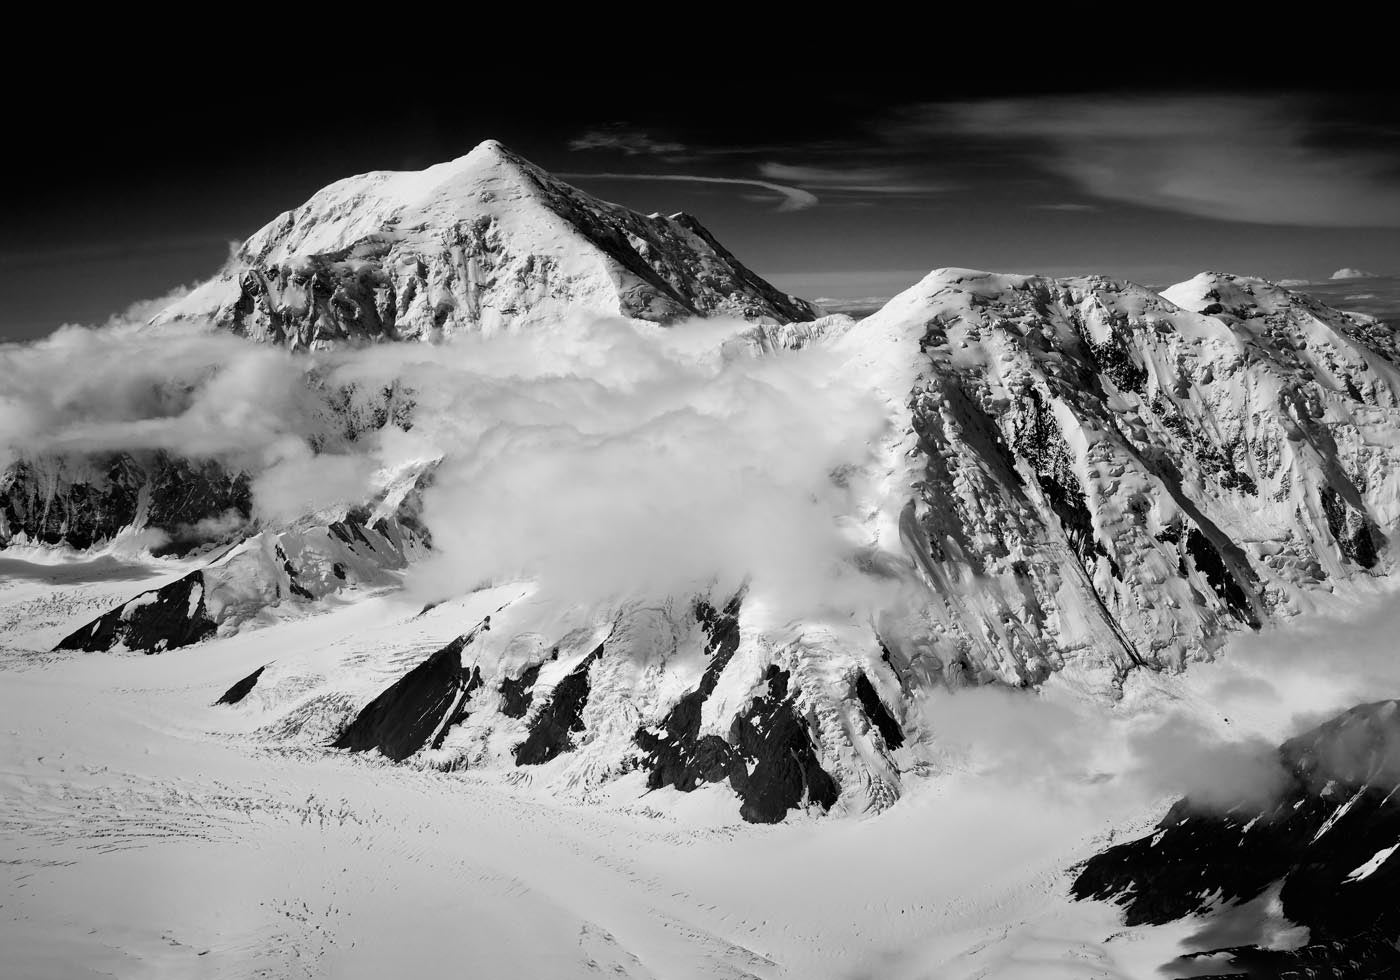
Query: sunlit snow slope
(484, 242)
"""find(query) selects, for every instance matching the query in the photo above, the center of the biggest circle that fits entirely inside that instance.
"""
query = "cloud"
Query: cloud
(190, 392)
(1284, 680)
(1211, 734)
(1182, 756)
(856, 180)
(1065, 206)
(1234, 158)
(628, 141)
(793, 198)
(303, 482)
(605, 457)
(598, 457)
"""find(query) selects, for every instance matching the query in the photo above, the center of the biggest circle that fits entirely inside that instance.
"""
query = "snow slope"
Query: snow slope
(146, 831)
(485, 242)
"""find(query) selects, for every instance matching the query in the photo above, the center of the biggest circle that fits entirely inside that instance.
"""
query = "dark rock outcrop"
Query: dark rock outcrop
(419, 707)
(768, 758)
(1327, 840)
(161, 619)
(518, 693)
(778, 766)
(553, 727)
(82, 500)
(240, 690)
(878, 714)
(316, 561)
(1368, 955)
(676, 755)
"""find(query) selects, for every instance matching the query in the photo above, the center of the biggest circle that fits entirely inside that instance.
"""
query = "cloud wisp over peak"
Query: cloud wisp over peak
(860, 180)
(630, 142)
(791, 198)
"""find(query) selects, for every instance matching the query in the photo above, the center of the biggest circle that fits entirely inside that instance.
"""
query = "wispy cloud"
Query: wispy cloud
(1235, 158)
(856, 180)
(791, 198)
(631, 142)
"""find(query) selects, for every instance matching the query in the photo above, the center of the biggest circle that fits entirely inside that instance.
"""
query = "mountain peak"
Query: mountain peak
(1214, 293)
(493, 155)
(494, 148)
(484, 242)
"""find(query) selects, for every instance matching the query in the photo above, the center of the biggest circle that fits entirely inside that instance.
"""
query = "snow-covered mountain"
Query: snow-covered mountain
(1077, 474)
(482, 243)
(485, 242)
(1108, 475)
(249, 582)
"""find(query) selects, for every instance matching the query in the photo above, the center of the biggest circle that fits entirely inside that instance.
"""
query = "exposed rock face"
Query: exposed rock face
(776, 766)
(85, 500)
(767, 753)
(242, 688)
(1369, 954)
(182, 504)
(481, 243)
(554, 724)
(1329, 839)
(677, 755)
(767, 756)
(175, 615)
(417, 709)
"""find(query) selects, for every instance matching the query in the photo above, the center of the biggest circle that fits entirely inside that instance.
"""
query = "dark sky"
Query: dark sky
(830, 183)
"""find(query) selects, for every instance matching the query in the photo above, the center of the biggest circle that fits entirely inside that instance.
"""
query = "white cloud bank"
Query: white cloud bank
(599, 456)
